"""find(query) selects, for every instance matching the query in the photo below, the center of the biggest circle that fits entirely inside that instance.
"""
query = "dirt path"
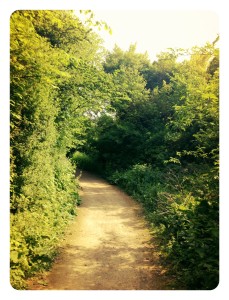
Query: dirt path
(107, 247)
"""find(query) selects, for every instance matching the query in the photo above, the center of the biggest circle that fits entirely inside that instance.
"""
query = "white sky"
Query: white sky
(155, 31)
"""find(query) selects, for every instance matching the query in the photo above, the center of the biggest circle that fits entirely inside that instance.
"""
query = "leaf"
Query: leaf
(14, 256)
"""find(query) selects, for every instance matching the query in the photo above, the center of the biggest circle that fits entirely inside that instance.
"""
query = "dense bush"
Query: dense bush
(40, 221)
(84, 162)
(182, 207)
(54, 68)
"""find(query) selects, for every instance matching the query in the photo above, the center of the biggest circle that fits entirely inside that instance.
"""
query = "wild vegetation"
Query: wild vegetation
(151, 128)
(56, 80)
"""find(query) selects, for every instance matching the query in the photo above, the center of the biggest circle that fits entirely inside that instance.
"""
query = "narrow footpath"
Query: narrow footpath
(107, 247)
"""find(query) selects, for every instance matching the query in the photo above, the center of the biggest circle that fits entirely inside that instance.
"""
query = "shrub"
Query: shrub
(84, 162)
(182, 206)
(40, 220)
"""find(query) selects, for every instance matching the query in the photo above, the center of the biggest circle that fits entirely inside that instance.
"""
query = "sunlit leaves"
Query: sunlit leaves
(56, 77)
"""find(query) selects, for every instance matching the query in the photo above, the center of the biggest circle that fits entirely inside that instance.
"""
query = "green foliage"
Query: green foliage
(152, 128)
(162, 148)
(182, 207)
(141, 181)
(118, 58)
(56, 79)
(84, 162)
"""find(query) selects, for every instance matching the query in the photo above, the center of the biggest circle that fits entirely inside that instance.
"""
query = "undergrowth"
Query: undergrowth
(38, 224)
(182, 206)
